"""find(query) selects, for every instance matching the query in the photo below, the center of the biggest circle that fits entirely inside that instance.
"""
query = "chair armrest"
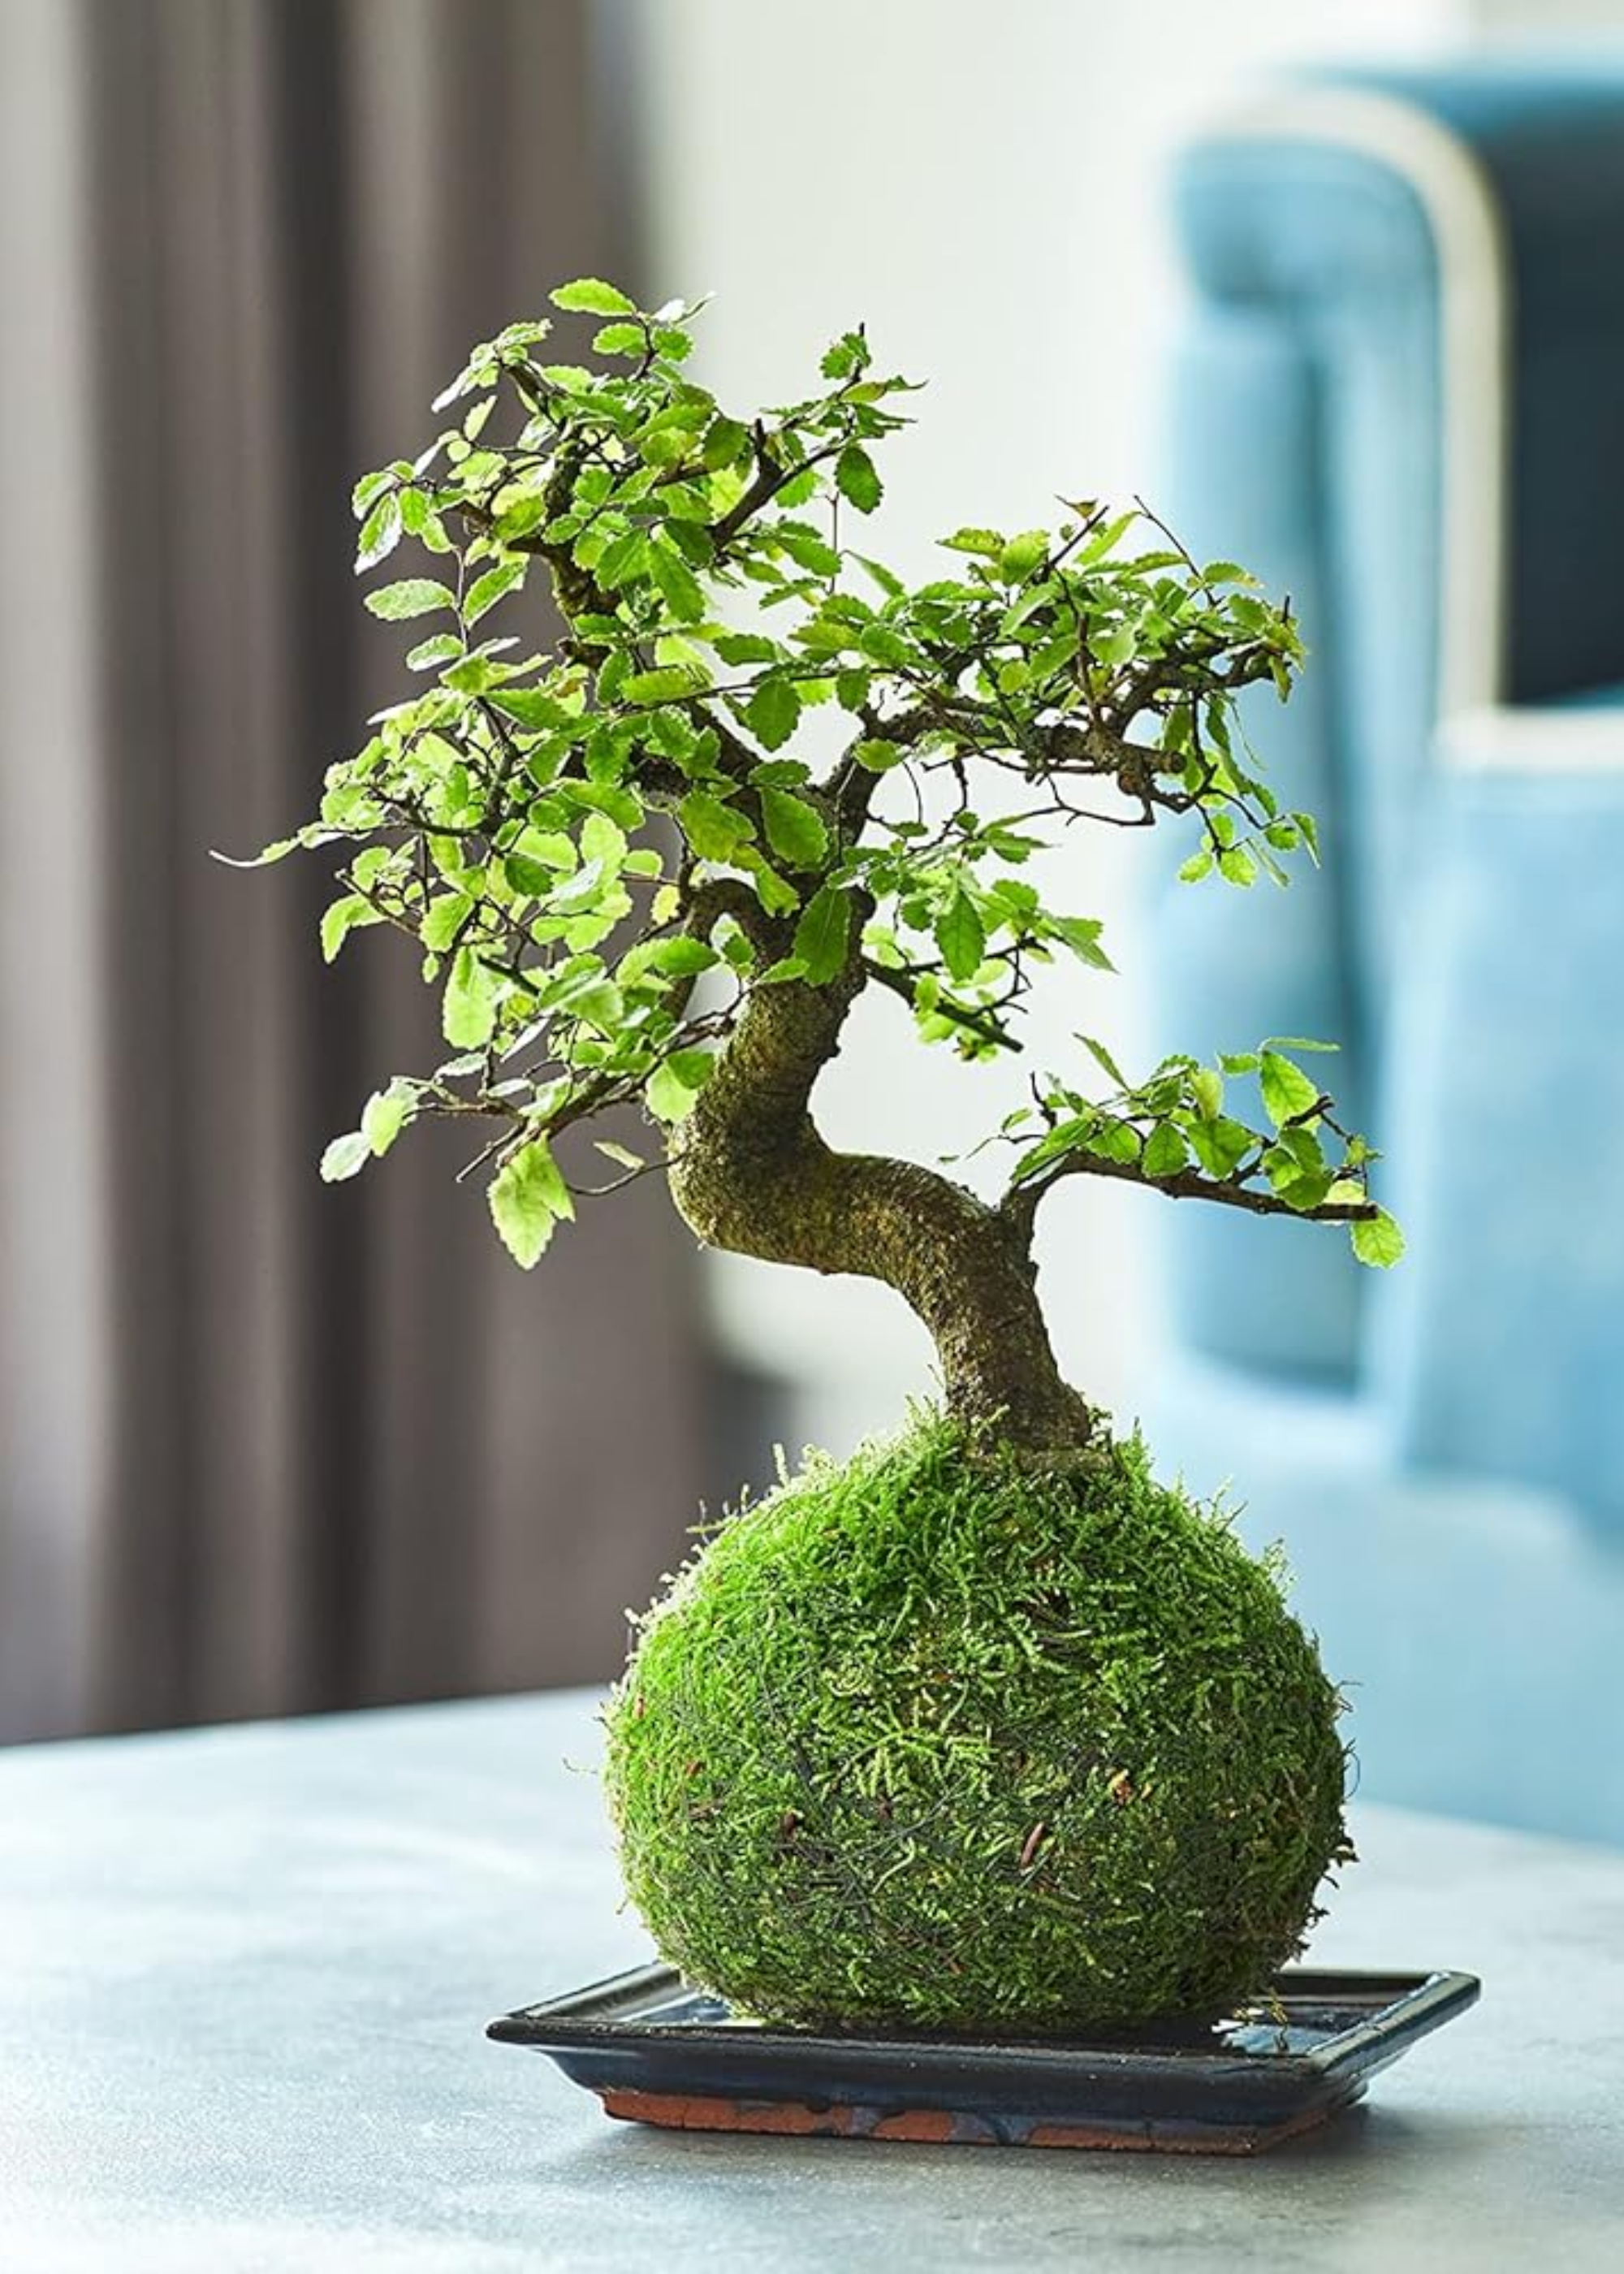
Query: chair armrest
(1499, 1347)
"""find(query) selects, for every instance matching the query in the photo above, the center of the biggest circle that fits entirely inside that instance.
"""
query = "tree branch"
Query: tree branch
(1021, 1202)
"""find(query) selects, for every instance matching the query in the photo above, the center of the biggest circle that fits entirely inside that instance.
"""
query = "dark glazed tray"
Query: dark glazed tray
(658, 2052)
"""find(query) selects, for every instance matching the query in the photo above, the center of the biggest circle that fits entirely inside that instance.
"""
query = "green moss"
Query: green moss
(939, 1737)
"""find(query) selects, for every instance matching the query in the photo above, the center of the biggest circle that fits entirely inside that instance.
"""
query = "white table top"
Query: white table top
(245, 1974)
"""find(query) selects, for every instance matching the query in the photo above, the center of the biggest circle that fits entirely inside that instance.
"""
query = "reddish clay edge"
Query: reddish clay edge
(702, 2112)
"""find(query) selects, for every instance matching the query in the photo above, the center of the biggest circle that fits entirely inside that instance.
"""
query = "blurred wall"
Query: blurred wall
(984, 187)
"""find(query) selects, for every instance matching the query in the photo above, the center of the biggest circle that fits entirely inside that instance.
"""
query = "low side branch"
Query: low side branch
(1021, 1202)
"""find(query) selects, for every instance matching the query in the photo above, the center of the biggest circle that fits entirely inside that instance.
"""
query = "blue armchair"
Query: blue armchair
(1399, 400)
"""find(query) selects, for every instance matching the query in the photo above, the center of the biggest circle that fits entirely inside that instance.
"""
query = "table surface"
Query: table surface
(245, 1975)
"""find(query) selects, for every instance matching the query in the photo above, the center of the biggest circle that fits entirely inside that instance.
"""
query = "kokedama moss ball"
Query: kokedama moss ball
(940, 1737)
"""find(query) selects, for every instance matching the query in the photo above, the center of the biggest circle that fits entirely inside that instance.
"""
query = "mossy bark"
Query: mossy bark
(751, 1173)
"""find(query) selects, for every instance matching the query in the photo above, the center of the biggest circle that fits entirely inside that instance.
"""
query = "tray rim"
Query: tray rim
(1423, 2000)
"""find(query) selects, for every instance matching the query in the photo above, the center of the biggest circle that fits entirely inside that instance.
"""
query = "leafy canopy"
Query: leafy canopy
(603, 840)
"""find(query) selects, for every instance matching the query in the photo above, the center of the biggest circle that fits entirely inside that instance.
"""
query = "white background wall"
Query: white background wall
(983, 186)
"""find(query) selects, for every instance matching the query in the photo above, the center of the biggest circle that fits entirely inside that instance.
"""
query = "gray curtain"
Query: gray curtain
(269, 1446)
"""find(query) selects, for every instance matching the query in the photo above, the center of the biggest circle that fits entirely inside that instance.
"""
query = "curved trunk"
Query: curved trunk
(751, 1173)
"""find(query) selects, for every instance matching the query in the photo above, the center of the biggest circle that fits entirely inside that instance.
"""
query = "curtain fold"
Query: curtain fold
(273, 1446)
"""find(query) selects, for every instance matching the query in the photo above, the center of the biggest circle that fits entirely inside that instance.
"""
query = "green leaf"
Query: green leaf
(467, 1017)
(1207, 1088)
(590, 296)
(1192, 871)
(441, 647)
(388, 1111)
(726, 442)
(670, 1098)
(796, 830)
(527, 1196)
(961, 937)
(486, 590)
(1104, 1059)
(1287, 1090)
(856, 479)
(1022, 554)
(1237, 867)
(714, 830)
(678, 586)
(745, 647)
(345, 1156)
(773, 712)
(693, 1067)
(413, 596)
(807, 548)
(445, 917)
(532, 708)
(670, 684)
(985, 543)
(1377, 1240)
(1221, 1145)
(823, 933)
(620, 339)
(380, 533)
(340, 920)
(1166, 1153)
(877, 755)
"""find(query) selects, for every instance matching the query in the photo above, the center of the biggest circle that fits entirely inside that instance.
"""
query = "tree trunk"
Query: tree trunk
(750, 1173)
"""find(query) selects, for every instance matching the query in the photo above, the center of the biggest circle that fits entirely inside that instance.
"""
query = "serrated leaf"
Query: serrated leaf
(386, 1115)
(369, 487)
(413, 596)
(726, 442)
(1104, 1059)
(1377, 1240)
(1022, 554)
(1287, 1090)
(441, 647)
(745, 647)
(679, 587)
(340, 920)
(1192, 871)
(380, 533)
(345, 1156)
(532, 708)
(823, 934)
(670, 1099)
(486, 590)
(527, 1196)
(1166, 1152)
(620, 339)
(856, 478)
(987, 543)
(467, 1014)
(714, 830)
(670, 684)
(444, 918)
(1221, 1145)
(796, 830)
(1237, 867)
(806, 548)
(877, 755)
(590, 296)
(773, 712)
(961, 937)
(1207, 1088)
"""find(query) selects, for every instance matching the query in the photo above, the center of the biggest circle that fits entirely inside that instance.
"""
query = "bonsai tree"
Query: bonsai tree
(985, 1725)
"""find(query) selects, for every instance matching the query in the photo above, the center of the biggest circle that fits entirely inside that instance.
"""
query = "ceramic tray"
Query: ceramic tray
(660, 2052)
